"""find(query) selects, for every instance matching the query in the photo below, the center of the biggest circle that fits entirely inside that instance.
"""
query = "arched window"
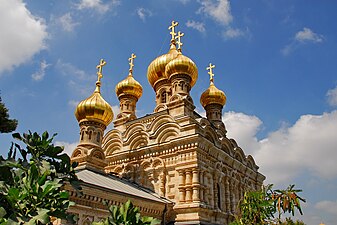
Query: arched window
(98, 138)
(163, 97)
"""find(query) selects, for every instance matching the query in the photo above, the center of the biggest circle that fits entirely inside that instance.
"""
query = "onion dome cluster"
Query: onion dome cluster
(174, 62)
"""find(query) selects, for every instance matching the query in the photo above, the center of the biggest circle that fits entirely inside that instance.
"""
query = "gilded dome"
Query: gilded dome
(129, 86)
(94, 108)
(182, 65)
(156, 69)
(212, 96)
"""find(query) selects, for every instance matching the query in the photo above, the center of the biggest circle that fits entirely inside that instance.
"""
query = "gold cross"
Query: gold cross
(173, 25)
(210, 71)
(180, 34)
(100, 68)
(133, 56)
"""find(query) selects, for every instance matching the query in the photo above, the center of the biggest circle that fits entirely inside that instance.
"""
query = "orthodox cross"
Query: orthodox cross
(99, 67)
(173, 25)
(210, 71)
(178, 37)
(133, 56)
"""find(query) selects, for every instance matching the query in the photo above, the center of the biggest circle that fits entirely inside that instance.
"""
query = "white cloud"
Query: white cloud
(327, 206)
(41, 72)
(21, 29)
(243, 129)
(332, 96)
(68, 147)
(196, 25)
(71, 70)
(97, 5)
(307, 35)
(67, 22)
(218, 10)
(143, 13)
(79, 82)
(309, 145)
(303, 36)
(232, 33)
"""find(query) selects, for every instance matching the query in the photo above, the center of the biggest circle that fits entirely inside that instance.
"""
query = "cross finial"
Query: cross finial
(99, 68)
(133, 56)
(178, 37)
(210, 72)
(172, 27)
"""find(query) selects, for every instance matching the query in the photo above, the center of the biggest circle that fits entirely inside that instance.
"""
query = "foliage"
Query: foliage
(6, 125)
(287, 200)
(30, 186)
(127, 214)
(256, 207)
(259, 207)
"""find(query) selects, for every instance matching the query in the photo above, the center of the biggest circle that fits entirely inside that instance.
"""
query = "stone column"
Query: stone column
(196, 185)
(182, 191)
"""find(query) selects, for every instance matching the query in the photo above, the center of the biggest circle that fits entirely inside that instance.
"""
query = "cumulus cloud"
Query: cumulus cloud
(218, 10)
(143, 13)
(69, 69)
(308, 35)
(97, 5)
(303, 36)
(21, 29)
(66, 22)
(287, 152)
(41, 72)
(243, 128)
(68, 147)
(332, 97)
(196, 25)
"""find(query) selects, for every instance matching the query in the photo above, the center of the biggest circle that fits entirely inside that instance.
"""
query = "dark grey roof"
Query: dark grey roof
(117, 184)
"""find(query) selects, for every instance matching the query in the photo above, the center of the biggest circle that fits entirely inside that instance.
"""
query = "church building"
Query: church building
(173, 164)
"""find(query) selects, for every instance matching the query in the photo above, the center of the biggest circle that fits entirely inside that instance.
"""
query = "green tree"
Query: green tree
(127, 214)
(31, 186)
(6, 125)
(256, 208)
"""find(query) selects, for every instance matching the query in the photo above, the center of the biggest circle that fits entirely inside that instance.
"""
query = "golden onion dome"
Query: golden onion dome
(95, 108)
(182, 65)
(212, 96)
(156, 69)
(129, 86)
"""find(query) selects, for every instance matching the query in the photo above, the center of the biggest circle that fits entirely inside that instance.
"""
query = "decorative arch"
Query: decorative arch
(112, 142)
(166, 132)
(158, 121)
(97, 153)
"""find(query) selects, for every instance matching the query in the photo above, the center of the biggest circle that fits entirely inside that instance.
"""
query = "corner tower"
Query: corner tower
(93, 114)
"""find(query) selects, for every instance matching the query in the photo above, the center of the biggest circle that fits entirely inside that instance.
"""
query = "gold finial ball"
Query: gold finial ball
(213, 96)
(95, 109)
(129, 86)
(182, 65)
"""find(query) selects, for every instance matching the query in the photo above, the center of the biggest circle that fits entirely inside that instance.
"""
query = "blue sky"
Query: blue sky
(275, 60)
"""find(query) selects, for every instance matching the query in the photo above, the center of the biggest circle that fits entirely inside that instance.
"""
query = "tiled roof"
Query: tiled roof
(117, 184)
